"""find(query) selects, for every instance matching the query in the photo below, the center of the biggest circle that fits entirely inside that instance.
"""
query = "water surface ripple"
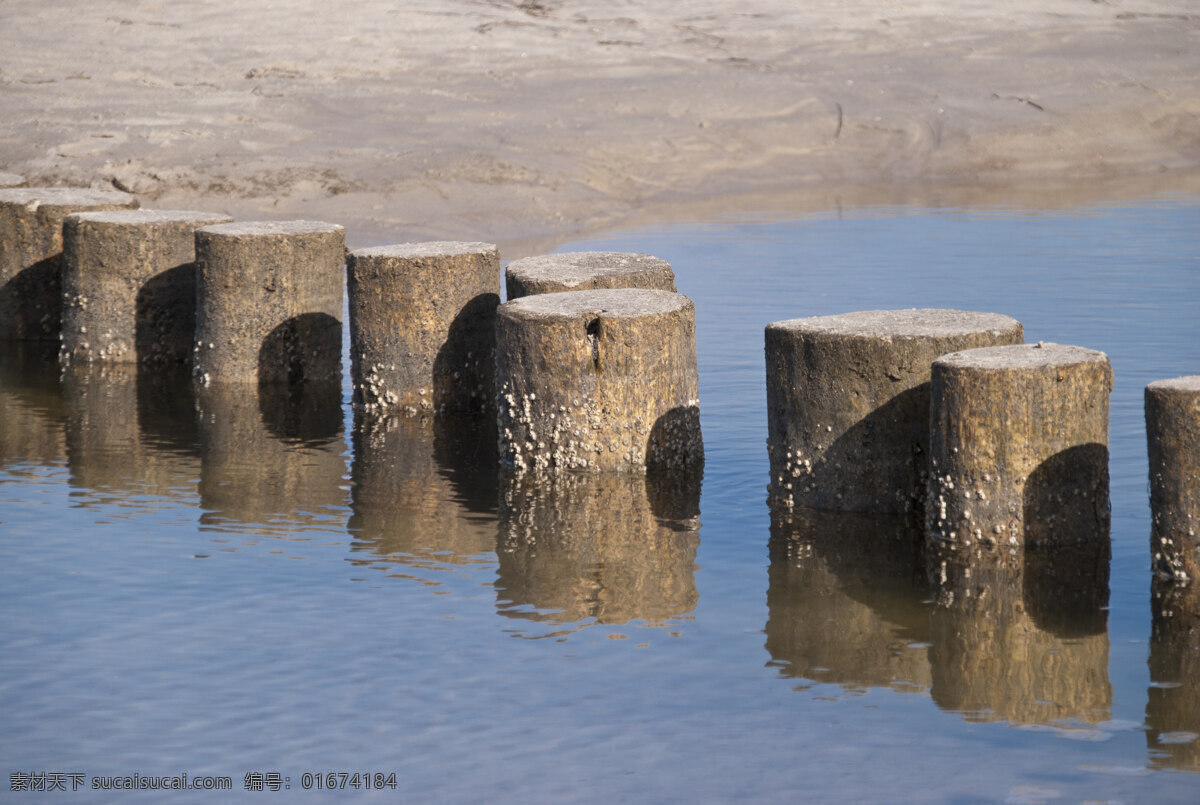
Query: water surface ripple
(221, 584)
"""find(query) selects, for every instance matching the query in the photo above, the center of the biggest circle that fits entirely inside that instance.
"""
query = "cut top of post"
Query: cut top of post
(903, 324)
(1189, 384)
(270, 228)
(138, 218)
(418, 251)
(1022, 358)
(579, 271)
(74, 197)
(622, 303)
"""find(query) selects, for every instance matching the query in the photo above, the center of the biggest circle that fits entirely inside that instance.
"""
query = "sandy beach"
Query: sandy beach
(523, 123)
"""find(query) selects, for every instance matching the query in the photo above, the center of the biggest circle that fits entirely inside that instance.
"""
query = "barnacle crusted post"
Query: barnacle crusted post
(269, 302)
(129, 285)
(1173, 438)
(31, 244)
(1018, 454)
(848, 403)
(598, 380)
(423, 327)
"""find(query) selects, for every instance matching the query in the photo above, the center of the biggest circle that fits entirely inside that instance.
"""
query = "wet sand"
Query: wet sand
(522, 123)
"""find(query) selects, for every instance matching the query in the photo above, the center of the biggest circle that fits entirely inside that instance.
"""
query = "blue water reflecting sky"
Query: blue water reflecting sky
(226, 603)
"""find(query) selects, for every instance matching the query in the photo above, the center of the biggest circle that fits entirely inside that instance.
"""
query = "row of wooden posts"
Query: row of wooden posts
(591, 365)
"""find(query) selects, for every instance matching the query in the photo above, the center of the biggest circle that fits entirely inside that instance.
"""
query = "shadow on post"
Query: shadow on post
(880, 463)
(675, 444)
(31, 301)
(464, 369)
(1066, 499)
(307, 347)
(165, 316)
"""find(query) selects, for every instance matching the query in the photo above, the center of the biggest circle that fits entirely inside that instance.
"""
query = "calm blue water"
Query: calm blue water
(220, 587)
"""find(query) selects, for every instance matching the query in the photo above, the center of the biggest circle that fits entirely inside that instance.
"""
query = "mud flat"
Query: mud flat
(521, 123)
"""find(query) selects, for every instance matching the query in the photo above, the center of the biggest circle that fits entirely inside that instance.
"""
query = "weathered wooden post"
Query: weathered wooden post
(587, 271)
(129, 285)
(1173, 438)
(423, 326)
(269, 302)
(598, 380)
(31, 244)
(848, 403)
(1018, 453)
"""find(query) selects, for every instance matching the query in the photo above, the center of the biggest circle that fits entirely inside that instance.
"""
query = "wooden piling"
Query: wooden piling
(1173, 439)
(848, 403)
(129, 285)
(598, 380)
(31, 244)
(1018, 452)
(269, 302)
(423, 327)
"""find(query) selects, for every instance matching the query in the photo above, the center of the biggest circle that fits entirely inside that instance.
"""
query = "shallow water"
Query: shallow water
(222, 585)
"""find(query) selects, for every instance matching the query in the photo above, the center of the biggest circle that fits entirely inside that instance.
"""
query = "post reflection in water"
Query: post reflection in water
(844, 601)
(423, 491)
(32, 412)
(1173, 700)
(849, 603)
(271, 456)
(130, 430)
(1028, 647)
(607, 548)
